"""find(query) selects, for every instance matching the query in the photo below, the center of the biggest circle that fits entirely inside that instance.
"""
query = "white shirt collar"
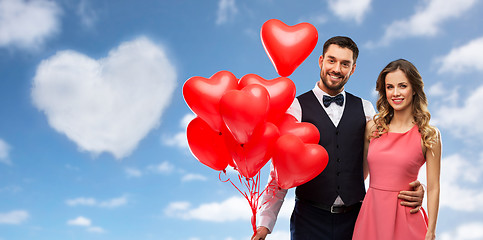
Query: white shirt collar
(334, 111)
(319, 93)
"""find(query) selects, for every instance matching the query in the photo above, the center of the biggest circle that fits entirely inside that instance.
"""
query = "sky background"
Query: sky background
(92, 117)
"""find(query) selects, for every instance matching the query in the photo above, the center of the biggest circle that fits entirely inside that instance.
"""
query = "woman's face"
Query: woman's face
(399, 92)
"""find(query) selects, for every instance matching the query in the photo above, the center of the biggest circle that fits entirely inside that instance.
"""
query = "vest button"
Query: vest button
(338, 159)
(338, 173)
(337, 132)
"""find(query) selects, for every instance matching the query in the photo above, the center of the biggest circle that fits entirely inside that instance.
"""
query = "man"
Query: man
(327, 206)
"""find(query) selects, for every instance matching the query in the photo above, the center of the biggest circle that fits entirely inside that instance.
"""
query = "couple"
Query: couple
(391, 145)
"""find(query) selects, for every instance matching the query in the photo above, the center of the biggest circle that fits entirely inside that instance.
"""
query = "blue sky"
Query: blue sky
(92, 118)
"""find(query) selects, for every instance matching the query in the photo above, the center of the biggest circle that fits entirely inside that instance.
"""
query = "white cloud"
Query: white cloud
(226, 11)
(79, 221)
(350, 9)
(14, 217)
(187, 118)
(81, 201)
(460, 179)
(85, 222)
(279, 235)
(111, 203)
(437, 90)
(110, 104)
(177, 207)
(163, 168)
(4, 152)
(231, 209)
(375, 94)
(467, 231)
(27, 24)
(463, 121)
(287, 208)
(179, 139)
(441, 95)
(87, 14)
(193, 177)
(95, 229)
(133, 172)
(464, 58)
(426, 21)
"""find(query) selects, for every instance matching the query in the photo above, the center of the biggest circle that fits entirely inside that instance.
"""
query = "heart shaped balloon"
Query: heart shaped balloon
(288, 46)
(307, 132)
(252, 156)
(207, 145)
(242, 110)
(203, 96)
(281, 90)
(296, 162)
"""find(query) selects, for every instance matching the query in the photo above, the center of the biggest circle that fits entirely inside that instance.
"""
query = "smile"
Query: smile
(335, 77)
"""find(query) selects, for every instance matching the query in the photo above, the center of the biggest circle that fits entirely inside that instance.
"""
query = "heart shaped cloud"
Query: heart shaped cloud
(110, 104)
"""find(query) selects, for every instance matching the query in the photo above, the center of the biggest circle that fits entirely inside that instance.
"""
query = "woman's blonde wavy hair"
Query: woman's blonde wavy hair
(421, 114)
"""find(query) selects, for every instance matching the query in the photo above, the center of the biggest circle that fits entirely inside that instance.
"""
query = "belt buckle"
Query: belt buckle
(337, 209)
(332, 209)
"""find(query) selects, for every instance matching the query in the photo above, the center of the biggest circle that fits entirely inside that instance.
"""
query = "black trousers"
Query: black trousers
(312, 223)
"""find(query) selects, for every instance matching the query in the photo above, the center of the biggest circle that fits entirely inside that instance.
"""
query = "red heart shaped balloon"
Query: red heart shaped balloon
(242, 110)
(288, 46)
(296, 162)
(307, 132)
(207, 145)
(203, 96)
(252, 156)
(281, 90)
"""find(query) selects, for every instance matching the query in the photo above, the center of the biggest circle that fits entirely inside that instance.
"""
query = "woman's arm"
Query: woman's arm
(369, 129)
(433, 168)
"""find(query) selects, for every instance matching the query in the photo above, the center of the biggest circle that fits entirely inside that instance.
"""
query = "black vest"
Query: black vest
(345, 144)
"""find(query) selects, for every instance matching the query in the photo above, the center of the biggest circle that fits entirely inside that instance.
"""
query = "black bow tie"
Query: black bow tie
(339, 100)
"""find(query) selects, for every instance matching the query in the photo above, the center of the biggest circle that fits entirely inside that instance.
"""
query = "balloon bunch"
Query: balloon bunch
(242, 122)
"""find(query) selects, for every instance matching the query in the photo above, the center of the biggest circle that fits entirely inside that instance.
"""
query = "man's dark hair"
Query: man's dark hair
(343, 42)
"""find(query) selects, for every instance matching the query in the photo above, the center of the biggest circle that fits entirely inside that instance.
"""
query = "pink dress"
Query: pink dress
(394, 161)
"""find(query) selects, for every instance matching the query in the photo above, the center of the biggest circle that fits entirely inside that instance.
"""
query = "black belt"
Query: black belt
(332, 208)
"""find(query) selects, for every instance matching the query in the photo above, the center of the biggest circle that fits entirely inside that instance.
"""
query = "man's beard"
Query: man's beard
(336, 87)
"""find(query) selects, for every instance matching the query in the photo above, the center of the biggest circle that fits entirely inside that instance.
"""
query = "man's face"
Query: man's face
(336, 66)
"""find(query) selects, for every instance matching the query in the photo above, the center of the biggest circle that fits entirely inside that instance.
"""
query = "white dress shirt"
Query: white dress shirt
(269, 211)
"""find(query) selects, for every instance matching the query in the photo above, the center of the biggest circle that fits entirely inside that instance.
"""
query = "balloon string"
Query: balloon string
(270, 188)
(219, 176)
(252, 185)
(229, 180)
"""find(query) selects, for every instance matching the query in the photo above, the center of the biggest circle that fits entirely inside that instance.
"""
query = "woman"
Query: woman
(399, 140)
